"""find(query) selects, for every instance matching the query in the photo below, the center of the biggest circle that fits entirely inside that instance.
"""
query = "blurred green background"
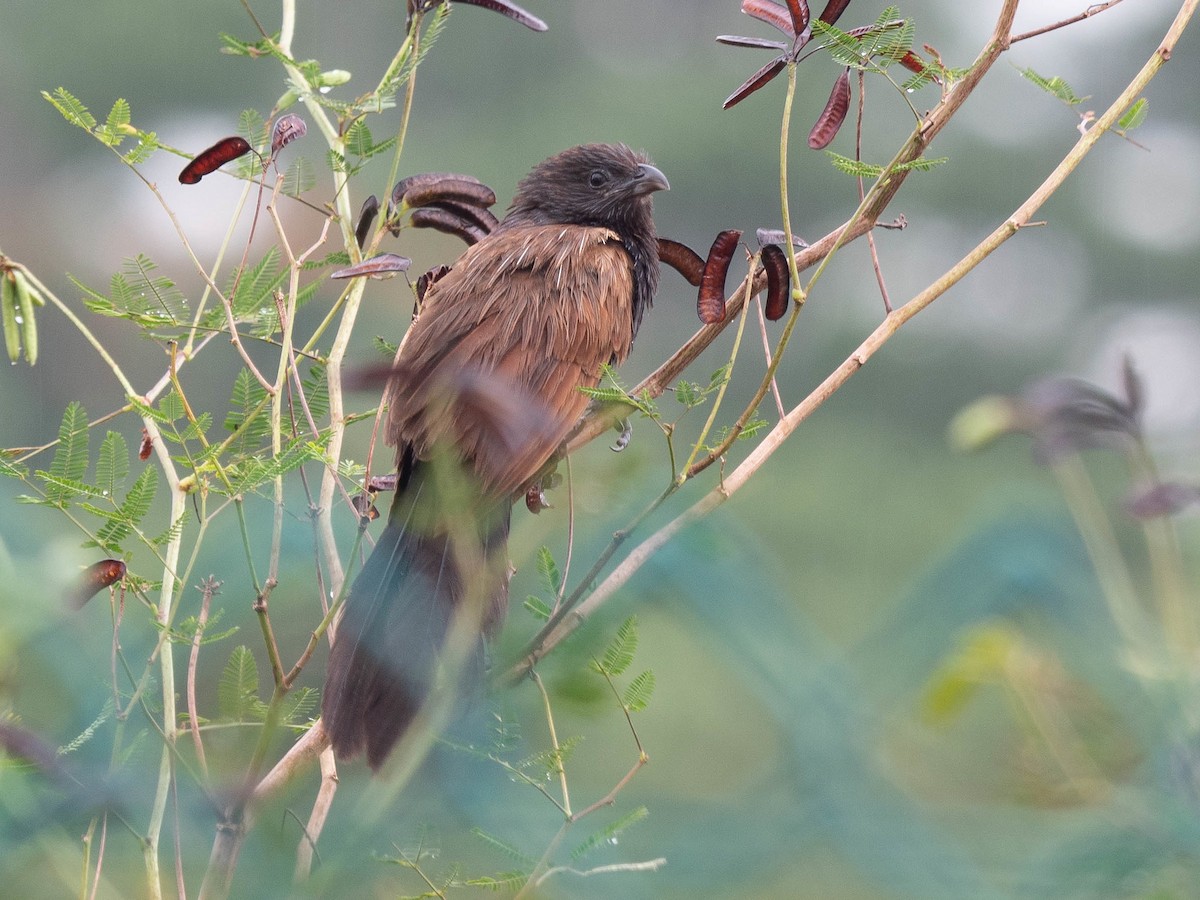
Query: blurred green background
(794, 632)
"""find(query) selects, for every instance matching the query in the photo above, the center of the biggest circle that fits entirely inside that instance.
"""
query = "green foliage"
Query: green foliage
(1054, 85)
(637, 696)
(860, 169)
(136, 293)
(885, 43)
(71, 108)
(237, 691)
(64, 481)
(619, 654)
(610, 833)
(1134, 116)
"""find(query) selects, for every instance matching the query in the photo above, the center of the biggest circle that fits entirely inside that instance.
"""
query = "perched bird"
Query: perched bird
(484, 389)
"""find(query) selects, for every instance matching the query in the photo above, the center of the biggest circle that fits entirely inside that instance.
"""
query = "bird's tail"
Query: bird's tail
(430, 570)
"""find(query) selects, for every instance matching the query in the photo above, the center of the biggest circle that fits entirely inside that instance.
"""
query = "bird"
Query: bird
(483, 391)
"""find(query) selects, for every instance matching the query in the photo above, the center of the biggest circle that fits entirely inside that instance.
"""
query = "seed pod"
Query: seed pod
(287, 129)
(213, 158)
(834, 113)
(511, 10)
(428, 279)
(535, 499)
(448, 223)
(366, 218)
(478, 216)
(912, 62)
(778, 236)
(452, 190)
(376, 265)
(427, 179)
(770, 12)
(25, 303)
(778, 281)
(739, 40)
(710, 301)
(8, 309)
(364, 506)
(146, 446)
(833, 9)
(95, 578)
(624, 435)
(683, 259)
(798, 9)
(754, 82)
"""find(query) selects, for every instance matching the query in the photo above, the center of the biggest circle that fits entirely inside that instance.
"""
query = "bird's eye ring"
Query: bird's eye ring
(598, 178)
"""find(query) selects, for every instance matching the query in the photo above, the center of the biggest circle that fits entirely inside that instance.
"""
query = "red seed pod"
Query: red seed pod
(912, 62)
(770, 12)
(754, 82)
(778, 281)
(833, 9)
(382, 482)
(448, 223)
(95, 578)
(535, 499)
(834, 113)
(426, 179)
(739, 40)
(683, 259)
(798, 9)
(213, 158)
(146, 447)
(376, 265)
(710, 301)
(287, 129)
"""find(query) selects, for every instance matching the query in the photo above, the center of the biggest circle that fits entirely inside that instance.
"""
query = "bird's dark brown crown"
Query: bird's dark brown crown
(603, 185)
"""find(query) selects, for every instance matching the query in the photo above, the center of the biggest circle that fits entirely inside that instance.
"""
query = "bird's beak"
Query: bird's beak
(647, 180)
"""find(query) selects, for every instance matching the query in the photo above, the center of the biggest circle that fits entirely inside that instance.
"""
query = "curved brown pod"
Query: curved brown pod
(834, 113)
(770, 12)
(798, 9)
(833, 9)
(95, 578)
(778, 281)
(478, 216)
(147, 445)
(376, 265)
(426, 179)
(366, 218)
(448, 223)
(755, 81)
(452, 190)
(287, 129)
(710, 301)
(683, 259)
(213, 158)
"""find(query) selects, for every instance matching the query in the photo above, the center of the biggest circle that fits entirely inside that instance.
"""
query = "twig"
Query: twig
(1094, 9)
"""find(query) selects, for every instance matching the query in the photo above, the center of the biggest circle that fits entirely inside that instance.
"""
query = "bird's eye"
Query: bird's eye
(598, 178)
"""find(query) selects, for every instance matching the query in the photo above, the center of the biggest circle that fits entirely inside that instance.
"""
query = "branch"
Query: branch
(890, 325)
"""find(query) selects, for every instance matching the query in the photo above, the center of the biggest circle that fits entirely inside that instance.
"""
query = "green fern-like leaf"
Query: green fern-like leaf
(132, 510)
(619, 654)
(246, 406)
(537, 607)
(88, 733)
(548, 569)
(252, 126)
(507, 849)
(112, 465)
(854, 167)
(71, 456)
(116, 127)
(71, 108)
(298, 706)
(502, 881)
(1134, 116)
(237, 691)
(1054, 85)
(11, 469)
(637, 696)
(143, 150)
(609, 834)
(299, 177)
(158, 292)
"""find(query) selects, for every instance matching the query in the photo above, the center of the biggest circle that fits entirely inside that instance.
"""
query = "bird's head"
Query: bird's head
(605, 185)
